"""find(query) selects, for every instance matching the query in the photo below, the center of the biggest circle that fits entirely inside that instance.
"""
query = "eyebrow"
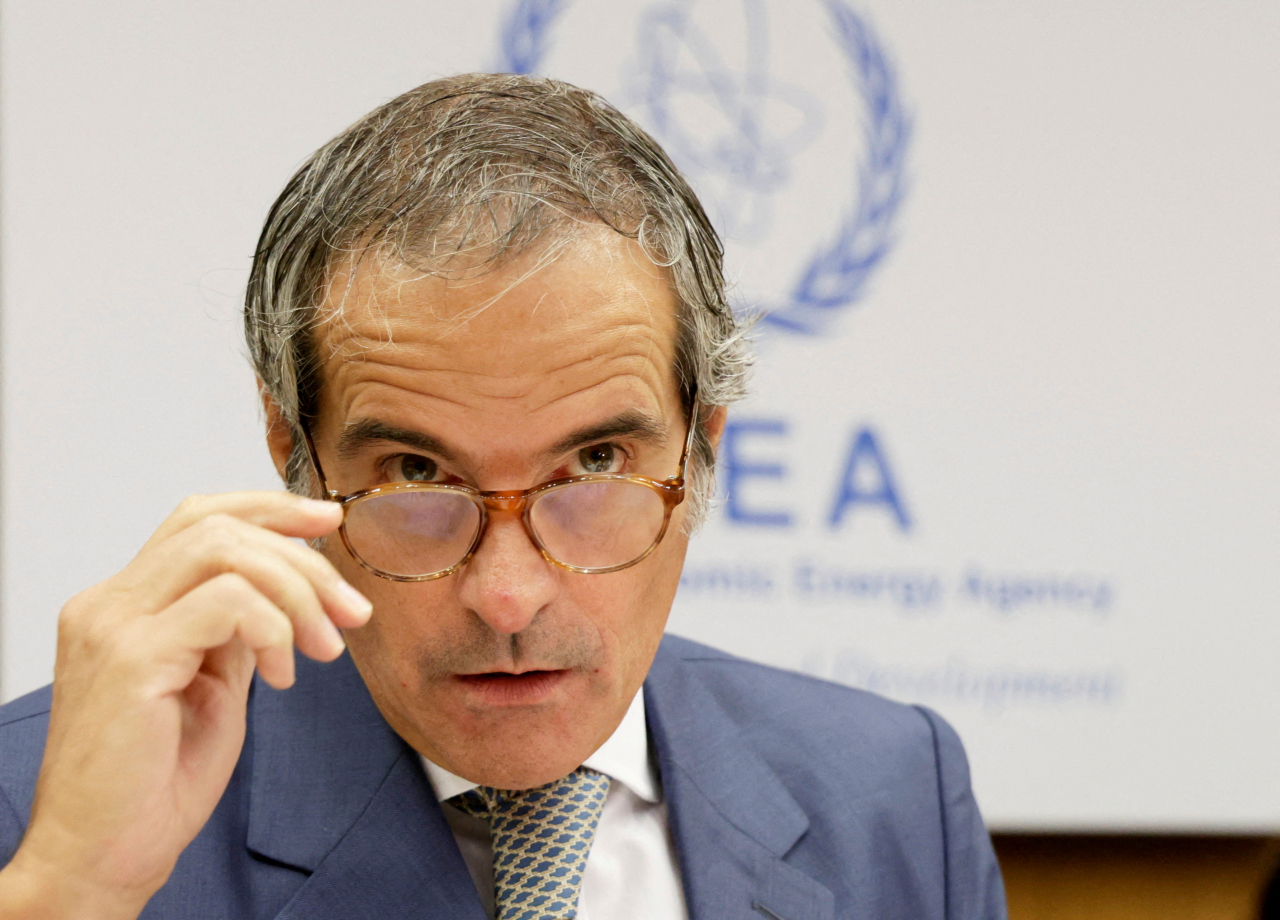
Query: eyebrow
(631, 424)
(358, 435)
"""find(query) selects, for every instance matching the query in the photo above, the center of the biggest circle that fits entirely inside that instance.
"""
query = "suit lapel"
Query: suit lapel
(398, 860)
(336, 793)
(732, 819)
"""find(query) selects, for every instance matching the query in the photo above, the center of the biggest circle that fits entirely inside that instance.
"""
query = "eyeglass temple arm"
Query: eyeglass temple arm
(325, 491)
(688, 438)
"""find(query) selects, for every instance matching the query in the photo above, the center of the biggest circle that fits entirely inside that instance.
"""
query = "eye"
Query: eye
(599, 458)
(412, 468)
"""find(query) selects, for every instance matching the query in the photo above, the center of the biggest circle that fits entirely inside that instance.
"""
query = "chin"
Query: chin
(511, 763)
(524, 747)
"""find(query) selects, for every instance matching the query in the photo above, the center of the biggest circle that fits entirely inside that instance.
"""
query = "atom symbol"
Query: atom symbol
(736, 130)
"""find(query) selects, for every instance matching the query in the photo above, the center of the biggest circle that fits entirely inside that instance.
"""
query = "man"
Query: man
(492, 340)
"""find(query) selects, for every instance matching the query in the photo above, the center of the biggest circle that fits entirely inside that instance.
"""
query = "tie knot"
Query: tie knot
(541, 838)
(581, 791)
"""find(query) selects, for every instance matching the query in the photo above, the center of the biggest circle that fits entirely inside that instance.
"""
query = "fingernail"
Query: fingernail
(355, 600)
(318, 505)
(336, 642)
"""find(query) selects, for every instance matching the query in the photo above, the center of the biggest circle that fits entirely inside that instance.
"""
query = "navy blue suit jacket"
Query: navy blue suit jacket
(788, 798)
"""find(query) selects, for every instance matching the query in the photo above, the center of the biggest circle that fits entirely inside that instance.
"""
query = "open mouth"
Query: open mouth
(505, 688)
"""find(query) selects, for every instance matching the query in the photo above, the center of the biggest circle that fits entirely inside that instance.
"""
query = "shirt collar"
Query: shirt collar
(624, 758)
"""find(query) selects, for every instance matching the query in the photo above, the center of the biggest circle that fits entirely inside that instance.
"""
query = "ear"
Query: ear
(714, 426)
(279, 437)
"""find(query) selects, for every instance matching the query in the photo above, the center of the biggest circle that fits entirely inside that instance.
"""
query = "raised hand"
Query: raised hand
(150, 689)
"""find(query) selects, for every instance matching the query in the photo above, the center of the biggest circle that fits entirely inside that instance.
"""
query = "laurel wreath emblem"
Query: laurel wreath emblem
(836, 276)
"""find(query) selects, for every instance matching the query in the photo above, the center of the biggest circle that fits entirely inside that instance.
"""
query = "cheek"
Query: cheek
(630, 608)
(404, 613)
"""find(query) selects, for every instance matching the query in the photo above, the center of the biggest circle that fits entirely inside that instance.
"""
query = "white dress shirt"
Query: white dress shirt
(632, 873)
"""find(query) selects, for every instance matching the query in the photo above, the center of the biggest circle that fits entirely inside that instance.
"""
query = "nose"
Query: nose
(507, 582)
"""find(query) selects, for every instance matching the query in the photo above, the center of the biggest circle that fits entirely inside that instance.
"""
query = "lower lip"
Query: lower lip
(513, 689)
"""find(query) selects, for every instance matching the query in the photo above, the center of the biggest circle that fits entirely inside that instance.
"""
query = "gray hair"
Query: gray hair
(487, 165)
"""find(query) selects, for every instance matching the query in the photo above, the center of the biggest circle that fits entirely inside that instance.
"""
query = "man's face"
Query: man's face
(511, 671)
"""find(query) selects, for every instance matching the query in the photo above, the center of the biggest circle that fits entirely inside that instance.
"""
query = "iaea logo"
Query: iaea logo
(761, 113)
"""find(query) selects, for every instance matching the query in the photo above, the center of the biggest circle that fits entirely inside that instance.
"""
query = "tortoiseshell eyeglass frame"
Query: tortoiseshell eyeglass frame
(518, 501)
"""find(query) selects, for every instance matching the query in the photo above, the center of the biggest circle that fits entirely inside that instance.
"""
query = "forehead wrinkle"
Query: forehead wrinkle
(398, 365)
(651, 340)
(388, 277)
(392, 284)
(644, 385)
(582, 326)
(640, 347)
(358, 346)
(369, 328)
(539, 403)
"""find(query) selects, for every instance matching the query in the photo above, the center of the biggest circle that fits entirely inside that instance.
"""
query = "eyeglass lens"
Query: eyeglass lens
(409, 534)
(589, 525)
(595, 525)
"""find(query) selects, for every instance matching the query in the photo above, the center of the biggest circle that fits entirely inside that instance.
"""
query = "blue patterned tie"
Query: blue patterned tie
(541, 838)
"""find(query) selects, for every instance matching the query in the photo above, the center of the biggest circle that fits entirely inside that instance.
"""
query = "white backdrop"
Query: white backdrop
(1013, 448)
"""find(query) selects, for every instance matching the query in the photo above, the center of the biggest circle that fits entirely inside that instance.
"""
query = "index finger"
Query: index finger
(283, 512)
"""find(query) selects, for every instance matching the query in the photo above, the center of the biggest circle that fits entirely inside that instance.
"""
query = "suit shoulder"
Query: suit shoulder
(33, 705)
(783, 710)
(760, 690)
(24, 723)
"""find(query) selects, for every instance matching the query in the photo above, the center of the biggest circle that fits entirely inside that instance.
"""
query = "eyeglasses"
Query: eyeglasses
(594, 523)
